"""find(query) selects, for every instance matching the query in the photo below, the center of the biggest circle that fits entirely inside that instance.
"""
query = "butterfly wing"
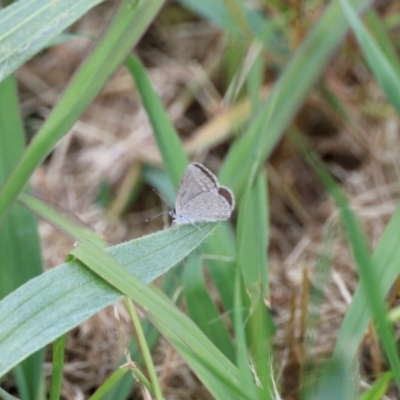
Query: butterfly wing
(208, 206)
(196, 179)
(201, 198)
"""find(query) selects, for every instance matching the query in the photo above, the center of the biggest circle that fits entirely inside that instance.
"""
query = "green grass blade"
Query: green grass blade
(6, 396)
(20, 256)
(123, 388)
(387, 260)
(110, 383)
(198, 300)
(316, 297)
(58, 366)
(218, 383)
(379, 388)
(252, 262)
(173, 324)
(128, 25)
(159, 180)
(253, 233)
(153, 385)
(20, 253)
(218, 12)
(221, 255)
(171, 149)
(242, 357)
(382, 69)
(55, 302)
(379, 31)
(61, 219)
(338, 381)
(27, 26)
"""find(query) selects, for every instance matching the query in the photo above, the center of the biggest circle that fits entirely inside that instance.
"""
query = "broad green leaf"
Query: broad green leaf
(27, 26)
(55, 302)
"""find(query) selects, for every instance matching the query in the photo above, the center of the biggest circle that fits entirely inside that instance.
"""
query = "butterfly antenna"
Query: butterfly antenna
(165, 201)
(162, 198)
(155, 216)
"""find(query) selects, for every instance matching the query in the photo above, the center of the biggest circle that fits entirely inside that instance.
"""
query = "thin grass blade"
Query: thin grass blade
(198, 299)
(58, 367)
(379, 64)
(368, 271)
(20, 253)
(253, 238)
(61, 219)
(173, 155)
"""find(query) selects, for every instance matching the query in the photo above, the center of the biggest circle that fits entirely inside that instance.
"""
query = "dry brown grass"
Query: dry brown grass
(113, 138)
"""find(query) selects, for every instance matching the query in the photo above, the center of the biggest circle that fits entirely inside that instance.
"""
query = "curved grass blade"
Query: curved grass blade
(61, 219)
(381, 67)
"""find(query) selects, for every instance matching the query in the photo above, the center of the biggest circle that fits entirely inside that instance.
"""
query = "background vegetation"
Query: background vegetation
(294, 105)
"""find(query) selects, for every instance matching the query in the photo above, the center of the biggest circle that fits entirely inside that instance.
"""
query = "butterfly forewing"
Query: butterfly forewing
(195, 180)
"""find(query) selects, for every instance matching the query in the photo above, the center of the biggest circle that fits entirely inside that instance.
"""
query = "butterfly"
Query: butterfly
(201, 198)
